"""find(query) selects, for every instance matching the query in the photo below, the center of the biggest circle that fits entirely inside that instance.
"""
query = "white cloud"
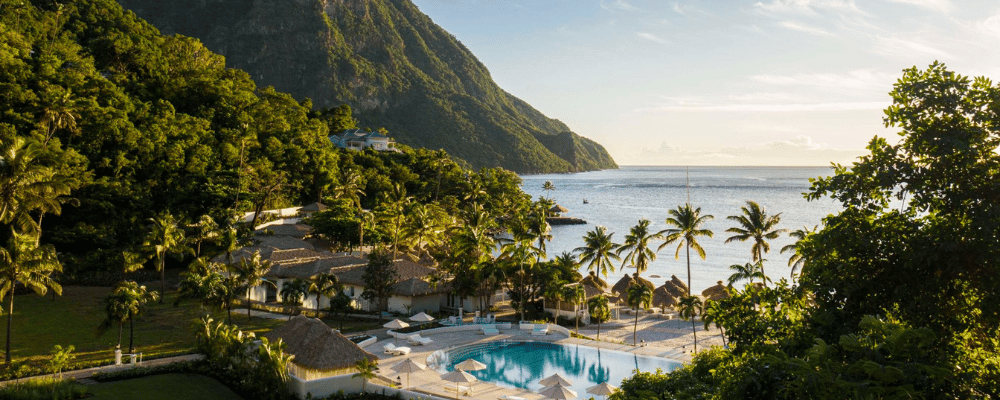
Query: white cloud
(677, 9)
(933, 5)
(809, 7)
(795, 26)
(901, 47)
(652, 37)
(616, 5)
(848, 106)
(857, 79)
(991, 25)
(800, 150)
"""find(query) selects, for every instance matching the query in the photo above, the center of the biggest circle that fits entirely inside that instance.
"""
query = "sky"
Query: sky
(717, 82)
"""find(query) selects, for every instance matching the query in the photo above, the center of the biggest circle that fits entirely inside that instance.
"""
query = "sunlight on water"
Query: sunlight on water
(617, 199)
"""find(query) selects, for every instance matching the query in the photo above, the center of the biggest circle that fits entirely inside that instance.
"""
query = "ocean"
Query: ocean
(618, 199)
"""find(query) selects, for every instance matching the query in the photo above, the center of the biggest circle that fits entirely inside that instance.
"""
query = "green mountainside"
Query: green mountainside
(391, 64)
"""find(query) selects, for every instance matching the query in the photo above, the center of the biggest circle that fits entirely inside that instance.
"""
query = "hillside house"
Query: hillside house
(356, 139)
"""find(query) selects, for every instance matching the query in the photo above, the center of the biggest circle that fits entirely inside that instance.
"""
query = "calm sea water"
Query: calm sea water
(618, 199)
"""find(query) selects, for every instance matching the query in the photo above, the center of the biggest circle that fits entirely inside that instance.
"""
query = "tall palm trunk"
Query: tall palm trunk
(10, 321)
(687, 251)
(120, 326)
(163, 278)
(248, 303)
(636, 326)
(695, 332)
(131, 335)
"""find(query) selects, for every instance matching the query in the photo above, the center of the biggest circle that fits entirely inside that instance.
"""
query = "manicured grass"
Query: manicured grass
(164, 330)
(165, 387)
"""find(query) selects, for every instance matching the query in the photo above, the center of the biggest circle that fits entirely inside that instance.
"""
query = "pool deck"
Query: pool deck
(429, 381)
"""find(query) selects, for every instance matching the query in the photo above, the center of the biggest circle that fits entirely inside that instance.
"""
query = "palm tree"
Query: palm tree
(59, 115)
(598, 251)
(636, 247)
(164, 237)
(421, 227)
(324, 285)
(599, 310)
(757, 225)
(366, 219)
(293, 291)
(576, 294)
(639, 296)
(797, 261)
(685, 228)
(690, 306)
(548, 186)
(206, 230)
(710, 316)
(396, 205)
(366, 370)
(749, 271)
(351, 188)
(554, 291)
(127, 301)
(250, 272)
(539, 227)
(24, 262)
(26, 186)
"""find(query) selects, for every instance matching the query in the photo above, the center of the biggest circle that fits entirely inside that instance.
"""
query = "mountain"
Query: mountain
(391, 64)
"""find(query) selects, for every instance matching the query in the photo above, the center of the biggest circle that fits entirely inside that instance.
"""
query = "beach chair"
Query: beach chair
(418, 340)
(451, 320)
(489, 330)
(462, 390)
(540, 330)
(396, 350)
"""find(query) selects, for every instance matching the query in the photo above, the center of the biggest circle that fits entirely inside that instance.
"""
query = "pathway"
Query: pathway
(85, 376)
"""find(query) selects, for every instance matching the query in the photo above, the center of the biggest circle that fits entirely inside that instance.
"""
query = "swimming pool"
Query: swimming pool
(522, 364)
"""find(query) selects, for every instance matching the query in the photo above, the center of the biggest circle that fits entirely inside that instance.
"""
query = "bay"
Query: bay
(618, 199)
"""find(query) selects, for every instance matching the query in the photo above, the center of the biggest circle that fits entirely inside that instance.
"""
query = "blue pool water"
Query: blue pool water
(523, 364)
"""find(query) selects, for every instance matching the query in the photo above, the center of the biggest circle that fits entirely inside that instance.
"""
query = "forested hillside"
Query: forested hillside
(389, 62)
(112, 124)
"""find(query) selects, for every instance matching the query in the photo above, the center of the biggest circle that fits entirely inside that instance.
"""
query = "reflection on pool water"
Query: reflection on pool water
(523, 364)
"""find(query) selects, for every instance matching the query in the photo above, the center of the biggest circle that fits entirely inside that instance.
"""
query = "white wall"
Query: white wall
(327, 386)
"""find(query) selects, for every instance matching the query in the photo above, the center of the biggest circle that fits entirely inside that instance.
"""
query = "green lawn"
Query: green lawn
(40, 323)
(165, 387)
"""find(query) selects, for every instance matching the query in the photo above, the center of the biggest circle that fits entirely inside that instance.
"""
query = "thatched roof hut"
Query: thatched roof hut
(314, 207)
(680, 284)
(623, 284)
(644, 281)
(663, 298)
(593, 280)
(672, 289)
(558, 209)
(319, 351)
(717, 292)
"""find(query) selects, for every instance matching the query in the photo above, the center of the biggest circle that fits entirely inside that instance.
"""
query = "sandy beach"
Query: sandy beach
(657, 331)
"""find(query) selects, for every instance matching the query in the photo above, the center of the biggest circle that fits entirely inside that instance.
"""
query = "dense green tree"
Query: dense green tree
(685, 227)
(379, 278)
(756, 224)
(797, 261)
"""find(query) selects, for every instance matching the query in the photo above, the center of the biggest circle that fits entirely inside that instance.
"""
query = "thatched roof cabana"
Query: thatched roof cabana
(314, 207)
(644, 281)
(622, 285)
(680, 284)
(672, 289)
(318, 350)
(663, 298)
(717, 292)
(593, 280)
(557, 209)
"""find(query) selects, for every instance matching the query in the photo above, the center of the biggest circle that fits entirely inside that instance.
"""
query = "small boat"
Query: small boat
(654, 276)
(585, 201)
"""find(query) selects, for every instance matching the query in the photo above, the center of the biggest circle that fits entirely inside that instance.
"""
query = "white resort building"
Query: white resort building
(356, 139)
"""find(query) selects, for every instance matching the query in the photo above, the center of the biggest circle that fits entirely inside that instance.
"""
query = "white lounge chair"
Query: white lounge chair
(540, 330)
(394, 350)
(418, 340)
(489, 330)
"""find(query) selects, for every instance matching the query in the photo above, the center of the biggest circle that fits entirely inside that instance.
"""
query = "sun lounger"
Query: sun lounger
(462, 390)
(540, 330)
(418, 340)
(489, 330)
(394, 350)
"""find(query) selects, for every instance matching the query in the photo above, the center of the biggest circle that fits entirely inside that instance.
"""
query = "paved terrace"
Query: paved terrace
(429, 381)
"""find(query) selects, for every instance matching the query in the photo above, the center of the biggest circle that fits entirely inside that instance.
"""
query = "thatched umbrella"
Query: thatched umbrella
(558, 392)
(602, 389)
(621, 287)
(662, 297)
(555, 379)
(644, 281)
(593, 280)
(558, 209)
(316, 346)
(408, 366)
(470, 365)
(679, 283)
(422, 317)
(717, 292)
(673, 289)
(458, 376)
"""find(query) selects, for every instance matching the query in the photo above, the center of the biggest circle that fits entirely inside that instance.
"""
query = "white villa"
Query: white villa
(356, 139)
